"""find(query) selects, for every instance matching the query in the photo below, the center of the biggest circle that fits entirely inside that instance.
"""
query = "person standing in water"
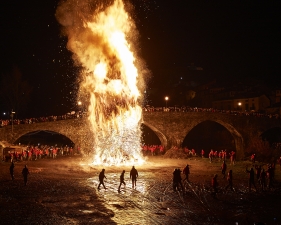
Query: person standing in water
(12, 166)
(25, 173)
(101, 179)
(122, 179)
(134, 175)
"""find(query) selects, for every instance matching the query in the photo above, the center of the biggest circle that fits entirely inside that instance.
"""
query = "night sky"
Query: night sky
(195, 40)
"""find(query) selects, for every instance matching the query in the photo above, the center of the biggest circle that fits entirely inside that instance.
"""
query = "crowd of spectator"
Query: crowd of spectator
(213, 155)
(31, 153)
(153, 150)
(211, 110)
(71, 115)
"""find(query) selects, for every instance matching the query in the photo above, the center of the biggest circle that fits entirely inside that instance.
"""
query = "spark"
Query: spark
(110, 81)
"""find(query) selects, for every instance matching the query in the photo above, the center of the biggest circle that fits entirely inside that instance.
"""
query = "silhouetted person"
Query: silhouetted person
(263, 179)
(186, 172)
(223, 169)
(251, 178)
(12, 166)
(134, 175)
(25, 173)
(215, 185)
(229, 180)
(101, 179)
(270, 176)
(258, 172)
(122, 180)
(177, 180)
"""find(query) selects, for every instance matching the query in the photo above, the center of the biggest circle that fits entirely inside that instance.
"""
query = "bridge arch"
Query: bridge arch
(237, 137)
(43, 136)
(159, 134)
(73, 129)
(18, 135)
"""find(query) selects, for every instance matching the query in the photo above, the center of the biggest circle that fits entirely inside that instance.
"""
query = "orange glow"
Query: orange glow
(110, 81)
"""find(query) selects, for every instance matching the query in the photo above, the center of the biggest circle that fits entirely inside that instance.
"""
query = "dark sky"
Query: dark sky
(228, 39)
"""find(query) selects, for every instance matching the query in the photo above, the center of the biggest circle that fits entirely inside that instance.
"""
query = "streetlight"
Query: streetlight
(12, 115)
(239, 105)
(79, 103)
(166, 99)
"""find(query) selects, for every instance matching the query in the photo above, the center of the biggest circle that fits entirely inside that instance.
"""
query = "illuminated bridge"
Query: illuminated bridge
(170, 127)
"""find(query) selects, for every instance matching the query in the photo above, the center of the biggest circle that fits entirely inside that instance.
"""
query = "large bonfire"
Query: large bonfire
(101, 36)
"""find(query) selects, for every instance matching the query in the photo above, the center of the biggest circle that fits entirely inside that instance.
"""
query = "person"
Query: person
(215, 154)
(25, 173)
(253, 158)
(177, 180)
(134, 175)
(175, 183)
(211, 153)
(251, 178)
(186, 172)
(232, 158)
(12, 166)
(258, 171)
(215, 185)
(220, 155)
(263, 180)
(122, 179)
(223, 169)
(193, 152)
(269, 174)
(229, 180)
(202, 153)
(101, 179)
(224, 155)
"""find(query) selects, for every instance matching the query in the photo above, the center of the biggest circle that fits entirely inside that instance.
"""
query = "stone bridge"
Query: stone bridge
(170, 127)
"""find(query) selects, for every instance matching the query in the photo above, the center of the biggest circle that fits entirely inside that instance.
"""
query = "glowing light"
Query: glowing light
(109, 80)
(166, 99)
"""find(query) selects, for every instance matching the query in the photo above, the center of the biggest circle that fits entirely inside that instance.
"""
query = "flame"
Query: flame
(110, 81)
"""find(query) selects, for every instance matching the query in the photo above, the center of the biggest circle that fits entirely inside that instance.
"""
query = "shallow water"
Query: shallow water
(62, 191)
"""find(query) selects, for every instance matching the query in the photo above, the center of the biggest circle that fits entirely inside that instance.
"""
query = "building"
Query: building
(258, 103)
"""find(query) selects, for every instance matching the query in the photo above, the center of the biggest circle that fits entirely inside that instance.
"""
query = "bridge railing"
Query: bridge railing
(43, 119)
(210, 110)
(151, 109)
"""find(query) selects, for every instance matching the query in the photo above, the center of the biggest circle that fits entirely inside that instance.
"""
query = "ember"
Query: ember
(110, 80)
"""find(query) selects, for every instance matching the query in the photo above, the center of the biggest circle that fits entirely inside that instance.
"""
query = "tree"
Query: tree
(14, 92)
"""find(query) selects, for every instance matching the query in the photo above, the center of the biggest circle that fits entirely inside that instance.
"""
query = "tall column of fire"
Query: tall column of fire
(110, 81)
